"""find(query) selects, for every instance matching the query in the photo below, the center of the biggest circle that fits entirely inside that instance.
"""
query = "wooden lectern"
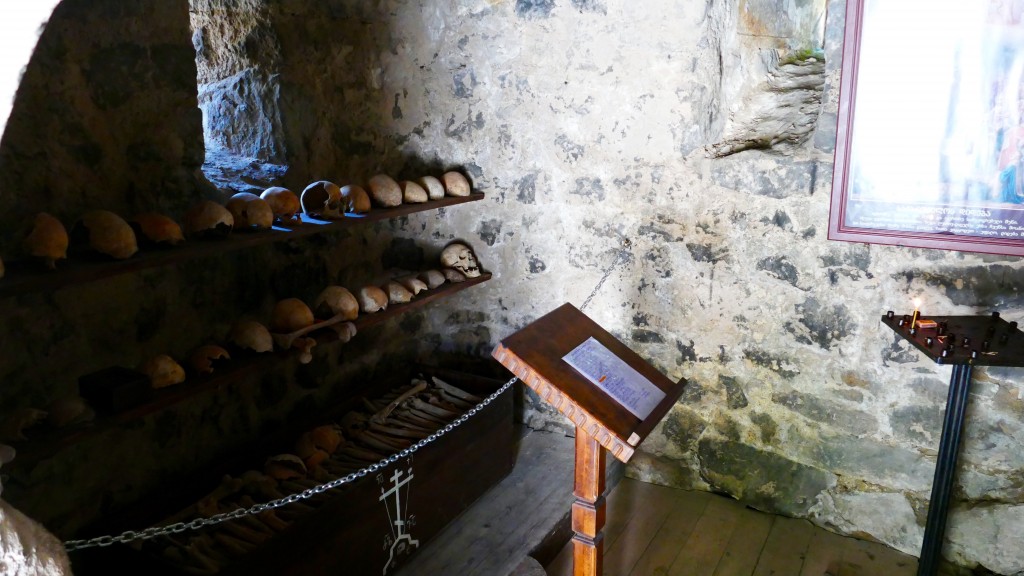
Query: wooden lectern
(612, 395)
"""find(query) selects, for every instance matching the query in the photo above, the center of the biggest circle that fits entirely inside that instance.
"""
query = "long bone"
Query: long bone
(285, 341)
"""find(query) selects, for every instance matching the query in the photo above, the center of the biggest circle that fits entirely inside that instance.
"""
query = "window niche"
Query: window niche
(238, 58)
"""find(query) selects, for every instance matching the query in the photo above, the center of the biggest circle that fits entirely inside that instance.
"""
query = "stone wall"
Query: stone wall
(635, 167)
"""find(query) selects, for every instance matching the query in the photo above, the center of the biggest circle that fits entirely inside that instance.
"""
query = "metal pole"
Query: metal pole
(945, 468)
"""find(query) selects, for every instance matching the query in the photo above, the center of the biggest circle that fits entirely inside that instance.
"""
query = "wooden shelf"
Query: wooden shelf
(23, 277)
(44, 444)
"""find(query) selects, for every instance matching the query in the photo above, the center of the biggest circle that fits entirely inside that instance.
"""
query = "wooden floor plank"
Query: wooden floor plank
(868, 558)
(825, 553)
(706, 534)
(783, 553)
(687, 509)
(744, 548)
(639, 532)
(707, 543)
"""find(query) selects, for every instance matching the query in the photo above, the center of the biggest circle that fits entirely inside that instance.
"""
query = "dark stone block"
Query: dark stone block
(767, 426)
(489, 231)
(589, 187)
(734, 396)
(526, 189)
(683, 428)
(707, 253)
(822, 410)
(647, 336)
(778, 364)
(781, 268)
(825, 325)
(921, 425)
(760, 479)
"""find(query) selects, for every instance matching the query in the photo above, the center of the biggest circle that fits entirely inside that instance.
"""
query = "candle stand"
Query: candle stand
(963, 342)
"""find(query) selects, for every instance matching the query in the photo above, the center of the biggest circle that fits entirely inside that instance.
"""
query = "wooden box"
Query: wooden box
(357, 531)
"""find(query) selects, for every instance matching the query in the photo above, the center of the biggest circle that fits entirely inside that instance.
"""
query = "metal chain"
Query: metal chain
(179, 527)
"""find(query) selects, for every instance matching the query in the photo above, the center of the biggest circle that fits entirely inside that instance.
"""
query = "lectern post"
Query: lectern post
(589, 508)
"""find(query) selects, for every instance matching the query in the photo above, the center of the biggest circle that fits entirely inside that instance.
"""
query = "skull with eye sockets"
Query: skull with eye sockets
(460, 257)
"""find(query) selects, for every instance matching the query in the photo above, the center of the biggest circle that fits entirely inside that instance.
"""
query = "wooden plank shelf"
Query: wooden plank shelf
(44, 444)
(24, 277)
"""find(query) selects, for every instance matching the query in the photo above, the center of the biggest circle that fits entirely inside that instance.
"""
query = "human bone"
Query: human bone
(250, 211)
(413, 193)
(48, 239)
(433, 278)
(372, 299)
(158, 228)
(163, 371)
(413, 284)
(346, 331)
(203, 358)
(284, 203)
(109, 234)
(455, 184)
(397, 294)
(354, 199)
(69, 411)
(385, 191)
(289, 315)
(284, 467)
(208, 219)
(454, 276)
(335, 300)
(305, 347)
(15, 424)
(433, 186)
(251, 335)
(460, 257)
(322, 199)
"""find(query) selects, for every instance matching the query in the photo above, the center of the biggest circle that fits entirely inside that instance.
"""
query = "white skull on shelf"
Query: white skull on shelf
(461, 258)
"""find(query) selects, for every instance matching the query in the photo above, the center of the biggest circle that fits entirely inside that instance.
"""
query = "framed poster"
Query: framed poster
(930, 139)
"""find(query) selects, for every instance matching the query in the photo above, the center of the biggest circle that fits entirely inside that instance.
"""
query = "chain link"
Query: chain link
(179, 527)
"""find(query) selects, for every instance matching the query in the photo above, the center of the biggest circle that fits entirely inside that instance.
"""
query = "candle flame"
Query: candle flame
(917, 303)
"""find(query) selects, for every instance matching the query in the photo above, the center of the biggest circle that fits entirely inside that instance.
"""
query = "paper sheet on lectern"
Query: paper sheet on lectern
(616, 378)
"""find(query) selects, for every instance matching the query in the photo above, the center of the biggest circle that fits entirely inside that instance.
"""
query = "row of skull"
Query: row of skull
(107, 233)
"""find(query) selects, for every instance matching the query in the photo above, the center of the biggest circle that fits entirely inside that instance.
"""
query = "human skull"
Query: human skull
(335, 300)
(322, 200)
(157, 228)
(290, 315)
(372, 299)
(208, 219)
(454, 276)
(355, 200)
(455, 184)
(283, 202)
(460, 257)
(251, 335)
(413, 284)
(163, 371)
(433, 186)
(68, 411)
(432, 278)
(397, 294)
(413, 193)
(48, 240)
(108, 234)
(385, 191)
(203, 358)
(250, 211)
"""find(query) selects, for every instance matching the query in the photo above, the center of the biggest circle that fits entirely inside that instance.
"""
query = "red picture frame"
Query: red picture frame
(930, 135)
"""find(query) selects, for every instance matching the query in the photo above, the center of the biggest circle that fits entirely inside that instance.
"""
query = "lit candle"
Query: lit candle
(913, 320)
